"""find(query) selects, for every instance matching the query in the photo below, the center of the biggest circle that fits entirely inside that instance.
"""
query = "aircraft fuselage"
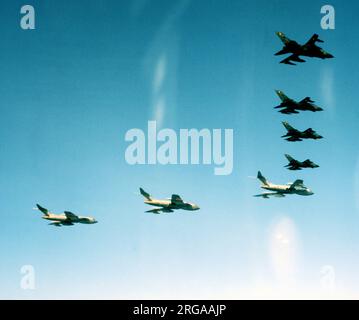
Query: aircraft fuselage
(63, 218)
(286, 189)
(307, 51)
(303, 106)
(168, 204)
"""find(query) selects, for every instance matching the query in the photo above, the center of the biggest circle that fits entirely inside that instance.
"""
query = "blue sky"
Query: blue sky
(93, 70)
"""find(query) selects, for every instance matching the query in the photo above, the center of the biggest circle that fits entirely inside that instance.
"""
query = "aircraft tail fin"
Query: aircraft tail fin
(283, 37)
(262, 178)
(43, 210)
(289, 157)
(287, 126)
(145, 194)
(281, 95)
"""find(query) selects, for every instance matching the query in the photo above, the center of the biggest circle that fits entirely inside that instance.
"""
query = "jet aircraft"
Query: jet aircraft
(296, 135)
(309, 49)
(297, 187)
(168, 205)
(290, 106)
(65, 219)
(298, 165)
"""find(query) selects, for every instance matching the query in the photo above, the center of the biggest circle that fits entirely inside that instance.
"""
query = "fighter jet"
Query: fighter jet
(290, 106)
(309, 49)
(167, 205)
(297, 187)
(296, 135)
(65, 219)
(298, 165)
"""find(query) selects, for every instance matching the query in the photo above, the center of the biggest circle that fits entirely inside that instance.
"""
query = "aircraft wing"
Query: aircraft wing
(310, 163)
(291, 58)
(266, 195)
(156, 211)
(309, 130)
(294, 167)
(159, 210)
(293, 138)
(55, 224)
(67, 223)
(314, 38)
(297, 183)
(283, 51)
(71, 216)
(306, 100)
(61, 223)
(288, 111)
(288, 61)
(176, 199)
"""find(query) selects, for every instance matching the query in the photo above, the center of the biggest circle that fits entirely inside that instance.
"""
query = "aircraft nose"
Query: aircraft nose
(329, 55)
(195, 207)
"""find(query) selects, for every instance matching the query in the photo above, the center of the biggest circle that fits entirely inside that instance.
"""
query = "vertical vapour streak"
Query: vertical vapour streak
(326, 81)
(283, 251)
(161, 61)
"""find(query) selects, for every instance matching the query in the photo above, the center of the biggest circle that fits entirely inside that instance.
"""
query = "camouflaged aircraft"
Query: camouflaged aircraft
(309, 49)
(290, 106)
(296, 135)
(298, 165)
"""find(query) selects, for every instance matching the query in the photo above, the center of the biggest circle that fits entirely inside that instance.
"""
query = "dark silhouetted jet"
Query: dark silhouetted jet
(290, 106)
(296, 135)
(310, 49)
(298, 165)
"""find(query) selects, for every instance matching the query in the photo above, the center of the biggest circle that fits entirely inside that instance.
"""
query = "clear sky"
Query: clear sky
(91, 70)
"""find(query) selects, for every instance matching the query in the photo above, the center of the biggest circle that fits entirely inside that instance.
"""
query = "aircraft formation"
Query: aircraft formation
(289, 106)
